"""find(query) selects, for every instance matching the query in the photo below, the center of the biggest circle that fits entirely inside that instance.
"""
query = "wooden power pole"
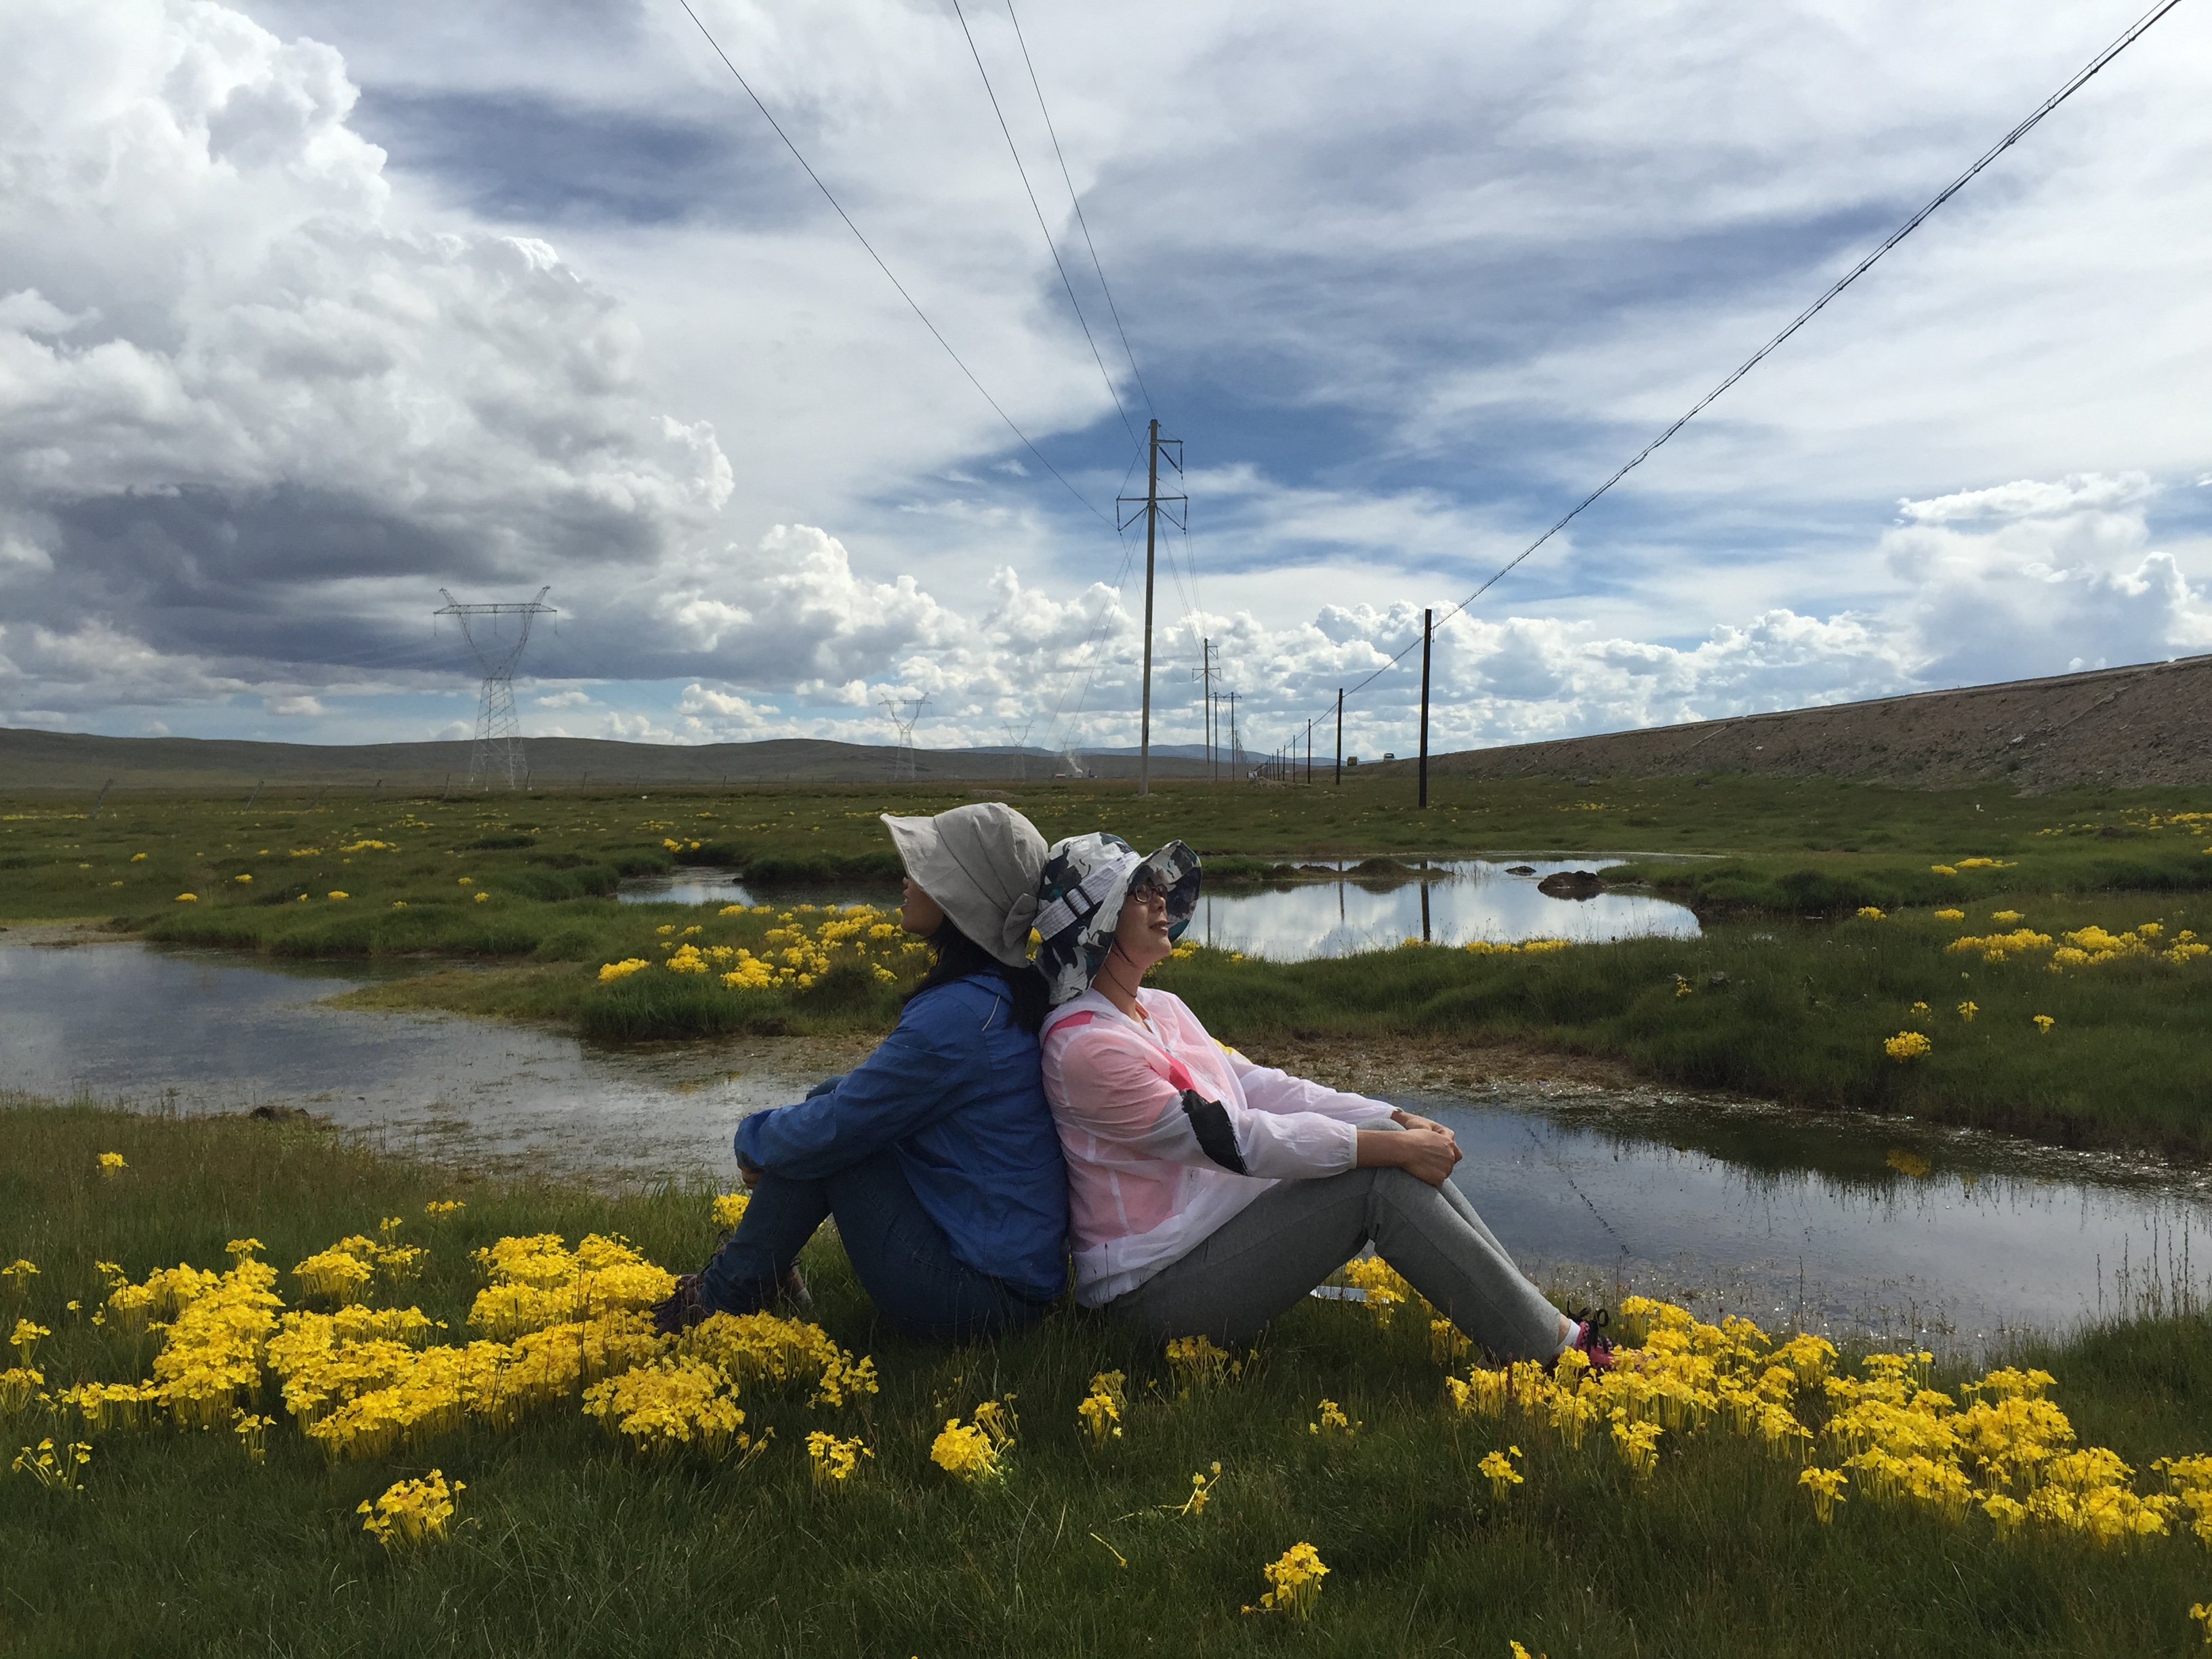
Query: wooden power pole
(1150, 505)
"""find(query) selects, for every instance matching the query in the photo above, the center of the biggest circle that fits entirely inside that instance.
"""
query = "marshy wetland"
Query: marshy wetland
(417, 996)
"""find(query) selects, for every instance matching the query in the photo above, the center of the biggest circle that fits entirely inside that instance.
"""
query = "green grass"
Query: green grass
(549, 859)
(571, 1546)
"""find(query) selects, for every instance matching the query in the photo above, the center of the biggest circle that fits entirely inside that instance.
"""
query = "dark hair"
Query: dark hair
(959, 956)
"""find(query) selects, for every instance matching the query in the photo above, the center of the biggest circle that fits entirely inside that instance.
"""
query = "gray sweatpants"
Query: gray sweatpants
(1257, 1264)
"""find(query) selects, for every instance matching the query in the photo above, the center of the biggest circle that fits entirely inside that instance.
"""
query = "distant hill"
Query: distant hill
(74, 760)
(2124, 727)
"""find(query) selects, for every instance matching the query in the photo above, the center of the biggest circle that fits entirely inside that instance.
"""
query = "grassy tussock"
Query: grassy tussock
(571, 1547)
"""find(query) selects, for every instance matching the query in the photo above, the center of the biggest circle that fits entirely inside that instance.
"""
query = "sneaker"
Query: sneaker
(795, 1292)
(681, 1309)
(1589, 1339)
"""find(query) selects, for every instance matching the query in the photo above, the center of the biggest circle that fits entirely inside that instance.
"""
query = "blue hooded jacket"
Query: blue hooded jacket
(956, 1093)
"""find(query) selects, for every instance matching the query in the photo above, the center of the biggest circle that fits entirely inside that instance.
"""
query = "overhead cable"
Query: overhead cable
(1076, 203)
(1050, 246)
(2075, 84)
(830, 198)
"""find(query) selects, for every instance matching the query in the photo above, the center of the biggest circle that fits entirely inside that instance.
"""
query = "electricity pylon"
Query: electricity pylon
(1020, 745)
(498, 748)
(904, 712)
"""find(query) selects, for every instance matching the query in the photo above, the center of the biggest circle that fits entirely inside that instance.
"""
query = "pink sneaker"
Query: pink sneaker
(1589, 1339)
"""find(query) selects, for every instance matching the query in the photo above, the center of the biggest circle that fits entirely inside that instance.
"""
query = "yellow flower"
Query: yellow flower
(1683, 987)
(483, 898)
(1334, 1423)
(1906, 1046)
(623, 969)
(833, 1461)
(1826, 1486)
(337, 895)
(1295, 1577)
(1870, 913)
(1498, 1465)
(189, 898)
(966, 1452)
(137, 858)
(1967, 1010)
(1201, 1489)
(1919, 1008)
(55, 1471)
(467, 881)
(241, 879)
(21, 1271)
(2044, 1023)
(411, 1512)
(2200, 1612)
(27, 1338)
(438, 1208)
(1197, 1364)
(1638, 1444)
(2005, 916)
(1943, 869)
(1950, 915)
(730, 1209)
(1101, 1409)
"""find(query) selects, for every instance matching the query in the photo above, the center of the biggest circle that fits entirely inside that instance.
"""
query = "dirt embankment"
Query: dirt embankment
(2121, 727)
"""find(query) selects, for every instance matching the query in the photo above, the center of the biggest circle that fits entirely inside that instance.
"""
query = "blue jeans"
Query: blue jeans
(903, 1257)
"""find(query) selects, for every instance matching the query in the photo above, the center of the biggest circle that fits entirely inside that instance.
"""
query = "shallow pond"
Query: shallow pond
(1471, 899)
(1464, 899)
(1846, 1225)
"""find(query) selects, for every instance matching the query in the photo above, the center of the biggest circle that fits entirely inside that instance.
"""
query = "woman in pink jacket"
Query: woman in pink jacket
(1208, 1195)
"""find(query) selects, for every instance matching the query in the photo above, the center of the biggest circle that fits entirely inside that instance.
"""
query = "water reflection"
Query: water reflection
(1477, 899)
(700, 885)
(1848, 1224)
(1466, 899)
(194, 1032)
(1839, 1224)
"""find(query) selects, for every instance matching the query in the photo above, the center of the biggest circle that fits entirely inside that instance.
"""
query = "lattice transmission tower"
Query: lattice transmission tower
(498, 750)
(904, 712)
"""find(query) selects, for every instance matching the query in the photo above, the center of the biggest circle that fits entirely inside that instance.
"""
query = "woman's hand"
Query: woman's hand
(1414, 1121)
(1423, 1150)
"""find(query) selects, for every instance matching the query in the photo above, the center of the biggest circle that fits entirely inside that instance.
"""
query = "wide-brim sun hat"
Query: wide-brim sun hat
(1087, 879)
(980, 864)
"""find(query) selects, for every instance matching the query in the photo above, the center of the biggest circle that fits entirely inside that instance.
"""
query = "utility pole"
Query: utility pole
(1308, 751)
(1236, 750)
(1150, 506)
(1425, 639)
(1339, 736)
(1204, 674)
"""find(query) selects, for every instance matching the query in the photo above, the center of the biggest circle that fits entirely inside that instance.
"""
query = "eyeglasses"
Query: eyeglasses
(1148, 893)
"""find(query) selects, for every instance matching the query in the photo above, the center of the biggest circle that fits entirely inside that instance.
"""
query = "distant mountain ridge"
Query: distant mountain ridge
(2149, 723)
(75, 760)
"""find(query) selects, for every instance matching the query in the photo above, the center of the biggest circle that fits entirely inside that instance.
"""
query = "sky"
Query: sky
(314, 316)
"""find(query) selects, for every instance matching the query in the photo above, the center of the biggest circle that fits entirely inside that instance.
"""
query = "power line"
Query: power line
(991, 92)
(1076, 203)
(2079, 80)
(881, 266)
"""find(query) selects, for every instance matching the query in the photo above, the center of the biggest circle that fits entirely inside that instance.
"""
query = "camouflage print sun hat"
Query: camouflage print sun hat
(1079, 898)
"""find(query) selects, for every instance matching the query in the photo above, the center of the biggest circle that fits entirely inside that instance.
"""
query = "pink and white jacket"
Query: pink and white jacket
(1168, 1135)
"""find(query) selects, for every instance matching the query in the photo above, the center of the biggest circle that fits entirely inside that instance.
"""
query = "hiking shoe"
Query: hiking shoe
(793, 1287)
(681, 1309)
(1589, 1339)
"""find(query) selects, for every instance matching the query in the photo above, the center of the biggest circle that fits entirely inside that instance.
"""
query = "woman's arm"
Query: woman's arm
(1423, 1149)
(906, 1084)
(1103, 1085)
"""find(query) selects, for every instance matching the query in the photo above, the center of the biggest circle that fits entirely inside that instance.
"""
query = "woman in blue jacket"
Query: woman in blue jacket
(938, 1155)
